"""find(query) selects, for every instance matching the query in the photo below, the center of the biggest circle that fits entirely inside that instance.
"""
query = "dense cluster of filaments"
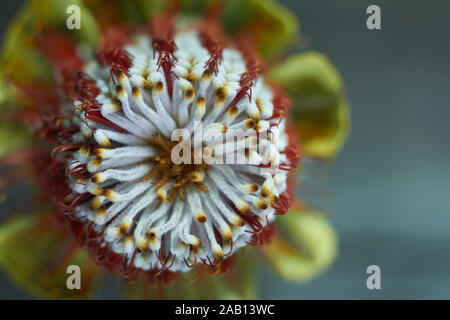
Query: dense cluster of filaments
(136, 206)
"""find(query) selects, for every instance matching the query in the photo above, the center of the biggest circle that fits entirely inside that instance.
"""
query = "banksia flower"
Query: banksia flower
(120, 115)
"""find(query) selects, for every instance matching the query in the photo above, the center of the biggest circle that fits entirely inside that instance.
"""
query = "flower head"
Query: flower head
(117, 151)
(130, 129)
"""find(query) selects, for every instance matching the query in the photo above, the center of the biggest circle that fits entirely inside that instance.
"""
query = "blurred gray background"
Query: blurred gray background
(390, 184)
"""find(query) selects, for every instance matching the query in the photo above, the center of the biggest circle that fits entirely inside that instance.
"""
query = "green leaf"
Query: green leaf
(195, 8)
(54, 13)
(238, 283)
(305, 247)
(36, 255)
(189, 9)
(149, 8)
(19, 59)
(272, 26)
(320, 112)
(12, 136)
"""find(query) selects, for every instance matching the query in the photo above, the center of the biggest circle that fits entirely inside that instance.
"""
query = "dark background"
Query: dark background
(390, 185)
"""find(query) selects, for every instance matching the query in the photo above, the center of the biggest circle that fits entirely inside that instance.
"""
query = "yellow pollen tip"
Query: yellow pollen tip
(262, 205)
(116, 232)
(232, 111)
(161, 194)
(265, 192)
(197, 242)
(189, 93)
(96, 162)
(120, 90)
(250, 123)
(221, 94)
(239, 222)
(85, 151)
(219, 255)
(100, 152)
(197, 176)
(227, 234)
(97, 190)
(117, 106)
(273, 198)
(147, 85)
(206, 74)
(121, 76)
(259, 127)
(95, 203)
(101, 212)
(201, 218)
(200, 103)
(159, 86)
(191, 77)
(125, 227)
(223, 128)
(96, 178)
(151, 236)
(129, 240)
(136, 92)
(142, 245)
(244, 207)
(111, 195)
(105, 143)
